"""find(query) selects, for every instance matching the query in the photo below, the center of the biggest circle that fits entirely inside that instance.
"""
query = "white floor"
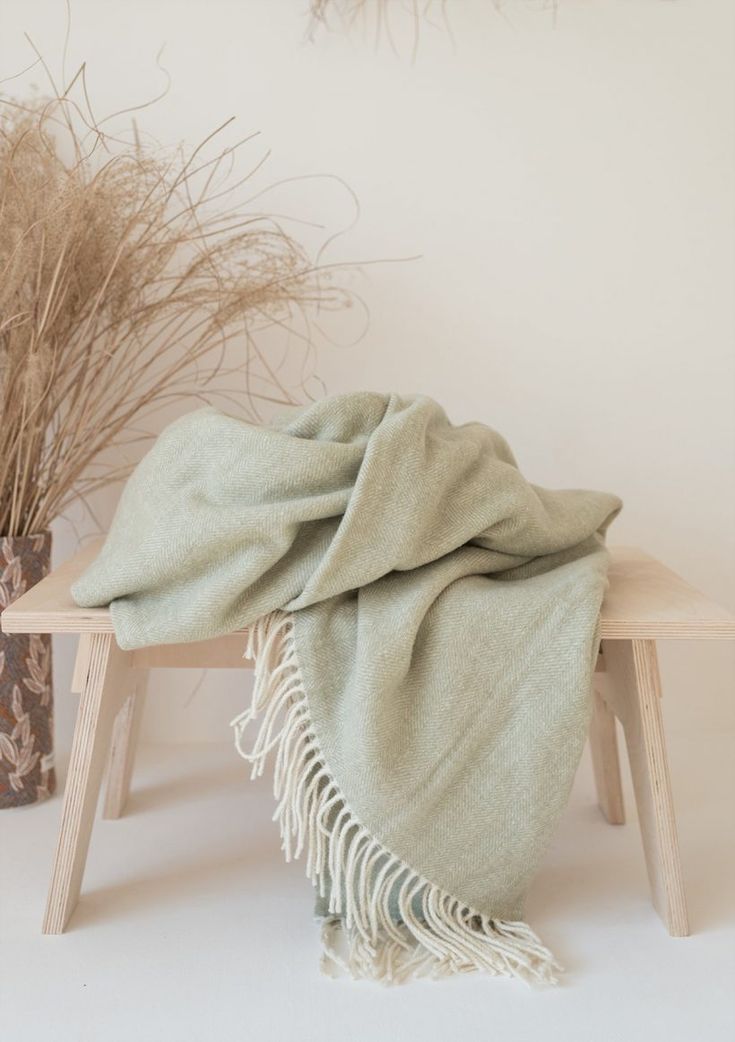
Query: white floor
(190, 927)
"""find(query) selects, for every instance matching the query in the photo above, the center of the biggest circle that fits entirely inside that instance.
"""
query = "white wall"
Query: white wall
(569, 190)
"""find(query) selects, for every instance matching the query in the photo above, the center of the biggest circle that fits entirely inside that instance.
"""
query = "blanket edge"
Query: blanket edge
(437, 935)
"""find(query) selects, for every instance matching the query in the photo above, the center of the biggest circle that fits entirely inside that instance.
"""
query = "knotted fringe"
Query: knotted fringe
(363, 878)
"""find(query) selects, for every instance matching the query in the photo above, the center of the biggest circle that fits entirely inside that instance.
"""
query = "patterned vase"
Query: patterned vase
(26, 695)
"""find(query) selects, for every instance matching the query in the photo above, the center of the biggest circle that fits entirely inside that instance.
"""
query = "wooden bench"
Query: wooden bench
(645, 602)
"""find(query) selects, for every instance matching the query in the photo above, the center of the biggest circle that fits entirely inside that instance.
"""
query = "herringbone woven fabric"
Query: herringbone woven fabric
(425, 623)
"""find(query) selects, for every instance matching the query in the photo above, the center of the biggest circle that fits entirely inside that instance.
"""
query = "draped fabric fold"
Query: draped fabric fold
(424, 623)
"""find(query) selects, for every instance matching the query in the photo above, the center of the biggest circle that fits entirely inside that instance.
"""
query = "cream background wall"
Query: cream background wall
(570, 191)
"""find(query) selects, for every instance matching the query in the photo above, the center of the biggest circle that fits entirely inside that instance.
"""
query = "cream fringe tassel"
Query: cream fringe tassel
(360, 936)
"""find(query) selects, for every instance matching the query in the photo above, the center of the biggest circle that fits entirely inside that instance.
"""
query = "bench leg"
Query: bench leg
(103, 692)
(124, 740)
(81, 663)
(635, 696)
(124, 733)
(605, 760)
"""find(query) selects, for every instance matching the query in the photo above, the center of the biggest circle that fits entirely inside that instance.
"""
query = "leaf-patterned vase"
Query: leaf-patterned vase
(26, 694)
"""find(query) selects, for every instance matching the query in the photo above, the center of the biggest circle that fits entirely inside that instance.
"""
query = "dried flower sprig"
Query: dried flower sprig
(395, 20)
(381, 19)
(127, 279)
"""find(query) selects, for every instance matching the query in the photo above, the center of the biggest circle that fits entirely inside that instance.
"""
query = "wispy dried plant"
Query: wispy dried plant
(389, 20)
(127, 278)
(400, 20)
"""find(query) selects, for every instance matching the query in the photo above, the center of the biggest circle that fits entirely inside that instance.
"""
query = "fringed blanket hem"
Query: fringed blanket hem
(435, 934)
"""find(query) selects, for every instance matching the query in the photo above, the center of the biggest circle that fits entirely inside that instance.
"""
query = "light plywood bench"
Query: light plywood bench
(645, 602)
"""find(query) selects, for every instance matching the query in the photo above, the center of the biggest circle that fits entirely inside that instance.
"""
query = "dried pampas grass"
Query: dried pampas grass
(400, 22)
(127, 278)
(391, 20)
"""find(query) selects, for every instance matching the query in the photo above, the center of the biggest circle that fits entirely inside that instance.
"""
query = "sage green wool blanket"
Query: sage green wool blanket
(424, 624)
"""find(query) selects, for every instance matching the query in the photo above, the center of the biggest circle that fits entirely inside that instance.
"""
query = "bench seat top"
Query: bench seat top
(645, 601)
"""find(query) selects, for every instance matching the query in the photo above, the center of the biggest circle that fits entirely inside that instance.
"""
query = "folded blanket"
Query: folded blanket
(424, 624)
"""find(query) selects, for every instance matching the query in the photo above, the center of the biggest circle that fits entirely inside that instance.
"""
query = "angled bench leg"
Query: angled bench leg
(124, 741)
(103, 692)
(605, 760)
(124, 733)
(635, 696)
(81, 663)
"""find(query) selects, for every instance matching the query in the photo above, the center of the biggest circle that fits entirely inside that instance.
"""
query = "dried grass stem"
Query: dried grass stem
(123, 288)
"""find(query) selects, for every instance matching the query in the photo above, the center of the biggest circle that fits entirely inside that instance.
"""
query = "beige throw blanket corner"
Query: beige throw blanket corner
(424, 623)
